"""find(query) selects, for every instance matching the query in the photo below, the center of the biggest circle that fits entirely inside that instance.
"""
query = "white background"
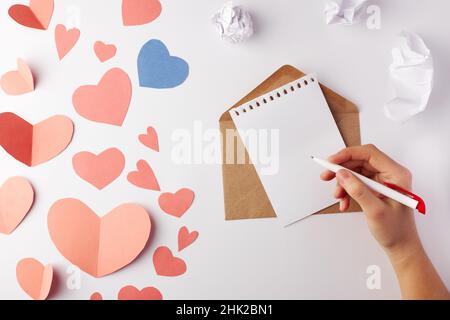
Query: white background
(321, 257)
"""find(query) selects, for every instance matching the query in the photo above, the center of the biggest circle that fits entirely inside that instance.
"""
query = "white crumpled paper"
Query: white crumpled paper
(345, 12)
(234, 23)
(412, 74)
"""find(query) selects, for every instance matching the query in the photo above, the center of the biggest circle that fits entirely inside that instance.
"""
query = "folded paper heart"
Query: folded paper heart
(103, 51)
(150, 139)
(18, 82)
(176, 204)
(144, 177)
(139, 12)
(99, 170)
(34, 144)
(186, 238)
(158, 69)
(132, 293)
(98, 246)
(107, 102)
(16, 199)
(65, 40)
(34, 278)
(166, 264)
(37, 15)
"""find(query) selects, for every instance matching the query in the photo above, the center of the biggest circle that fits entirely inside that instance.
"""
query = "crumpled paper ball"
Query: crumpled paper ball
(234, 23)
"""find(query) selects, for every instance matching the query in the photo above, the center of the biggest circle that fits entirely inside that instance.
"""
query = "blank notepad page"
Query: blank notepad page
(281, 131)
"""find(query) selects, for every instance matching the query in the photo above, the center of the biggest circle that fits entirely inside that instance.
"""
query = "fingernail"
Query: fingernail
(342, 175)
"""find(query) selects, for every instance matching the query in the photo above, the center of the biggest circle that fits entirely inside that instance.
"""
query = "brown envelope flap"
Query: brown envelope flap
(244, 194)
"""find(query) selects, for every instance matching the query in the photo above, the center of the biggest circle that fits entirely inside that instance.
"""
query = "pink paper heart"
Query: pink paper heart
(132, 293)
(176, 204)
(150, 139)
(144, 177)
(138, 12)
(107, 102)
(16, 199)
(99, 170)
(166, 264)
(37, 15)
(18, 82)
(186, 238)
(103, 51)
(98, 246)
(34, 144)
(34, 278)
(96, 296)
(65, 40)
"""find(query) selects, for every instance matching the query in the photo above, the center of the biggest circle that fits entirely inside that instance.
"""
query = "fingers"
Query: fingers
(344, 204)
(368, 201)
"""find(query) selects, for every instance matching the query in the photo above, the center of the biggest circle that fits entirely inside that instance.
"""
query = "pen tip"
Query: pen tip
(312, 157)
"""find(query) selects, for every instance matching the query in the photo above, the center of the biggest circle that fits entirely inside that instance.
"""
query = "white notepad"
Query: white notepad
(300, 114)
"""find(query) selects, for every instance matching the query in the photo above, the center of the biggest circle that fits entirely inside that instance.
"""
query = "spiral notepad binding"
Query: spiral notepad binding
(276, 94)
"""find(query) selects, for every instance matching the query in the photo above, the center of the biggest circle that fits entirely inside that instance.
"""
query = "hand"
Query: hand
(391, 223)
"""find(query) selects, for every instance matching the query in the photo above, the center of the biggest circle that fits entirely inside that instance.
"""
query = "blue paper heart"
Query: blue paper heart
(158, 69)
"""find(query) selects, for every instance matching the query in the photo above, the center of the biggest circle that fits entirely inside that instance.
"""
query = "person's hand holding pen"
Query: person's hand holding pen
(391, 223)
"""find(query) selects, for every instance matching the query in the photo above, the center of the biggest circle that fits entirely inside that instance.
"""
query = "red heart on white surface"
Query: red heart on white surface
(34, 278)
(176, 204)
(166, 264)
(132, 293)
(186, 238)
(104, 52)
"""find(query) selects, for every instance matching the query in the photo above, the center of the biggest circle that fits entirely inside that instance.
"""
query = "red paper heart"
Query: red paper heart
(34, 144)
(132, 293)
(107, 102)
(166, 264)
(150, 139)
(34, 278)
(37, 15)
(138, 12)
(104, 51)
(176, 204)
(65, 39)
(99, 170)
(186, 238)
(96, 296)
(144, 178)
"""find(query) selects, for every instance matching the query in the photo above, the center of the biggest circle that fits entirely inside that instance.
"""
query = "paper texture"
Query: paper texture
(244, 195)
(34, 278)
(346, 12)
(293, 187)
(233, 23)
(411, 74)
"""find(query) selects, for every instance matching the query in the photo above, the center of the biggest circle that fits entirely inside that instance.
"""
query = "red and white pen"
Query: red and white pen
(389, 190)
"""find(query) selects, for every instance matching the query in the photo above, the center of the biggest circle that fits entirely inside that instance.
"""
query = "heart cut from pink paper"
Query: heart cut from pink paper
(104, 52)
(186, 238)
(150, 139)
(139, 12)
(34, 278)
(65, 40)
(18, 82)
(166, 264)
(176, 204)
(132, 293)
(37, 15)
(144, 177)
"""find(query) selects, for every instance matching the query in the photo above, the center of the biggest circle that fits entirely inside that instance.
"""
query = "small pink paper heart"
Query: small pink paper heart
(186, 238)
(34, 278)
(16, 199)
(166, 264)
(99, 170)
(65, 39)
(144, 177)
(150, 139)
(103, 51)
(138, 12)
(96, 296)
(37, 15)
(132, 293)
(18, 82)
(176, 204)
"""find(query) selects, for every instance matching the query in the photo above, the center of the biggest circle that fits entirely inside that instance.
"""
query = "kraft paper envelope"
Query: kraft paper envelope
(244, 195)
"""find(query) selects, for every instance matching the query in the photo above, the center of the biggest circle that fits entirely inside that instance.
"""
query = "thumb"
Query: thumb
(361, 193)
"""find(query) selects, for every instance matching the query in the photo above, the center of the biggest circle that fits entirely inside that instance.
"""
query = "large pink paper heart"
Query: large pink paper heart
(65, 39)
(138, 12)
(34, 144)
(34, 278)
(16, 199)
(99, 170)
(18, 82)
(107, 102)
(166, 264)
(186, 238)
(144, 177)
(37, 15)
(150, 139)
(103, 51)
(98, 246)
(176, 204)
(132, 293)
